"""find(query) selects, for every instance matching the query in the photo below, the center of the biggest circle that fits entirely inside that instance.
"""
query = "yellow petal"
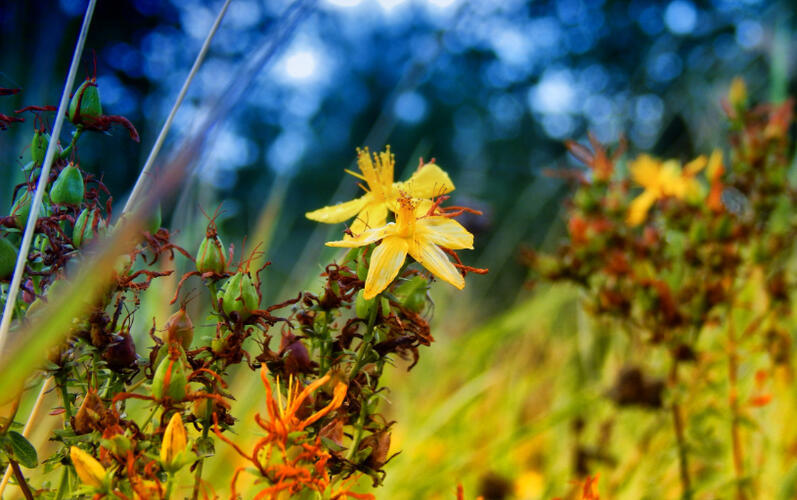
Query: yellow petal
(340, 212)
(638, 210)
(435, 260)
(372, 216)
(88, 469)
(714, 169)
(174, 439)
(693, 167)
(445, 232)
(428, 182)
(365, 238)
(386, 261)
(645, 170)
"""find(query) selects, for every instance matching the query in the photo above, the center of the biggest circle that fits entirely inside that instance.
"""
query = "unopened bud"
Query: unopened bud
(88, 469)
(174, 441)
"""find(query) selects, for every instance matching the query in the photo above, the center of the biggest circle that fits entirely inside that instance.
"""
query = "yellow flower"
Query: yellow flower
(421, 237)
(88, 469)
(737, 93)
(382, 193)
(174, 440)
(660, 180)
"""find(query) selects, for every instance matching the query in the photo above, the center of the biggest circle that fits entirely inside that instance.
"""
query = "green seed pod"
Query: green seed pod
(210, 257)
(38, 146)
(170, 379)
(362, 306)
(8, 258)
(84, 230)
(21, 208)
(85, 103)
(240, 295)
(68, 187)
(412, 293)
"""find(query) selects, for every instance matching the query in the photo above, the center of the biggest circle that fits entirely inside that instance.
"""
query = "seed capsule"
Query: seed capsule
(85, 103)
(210, 257)
(20, 210)
(412, 293)
(8, 258)
(38, 146)
(180, 329)
(170, 378)
(240, 295)
(68, 187)
(88, 225)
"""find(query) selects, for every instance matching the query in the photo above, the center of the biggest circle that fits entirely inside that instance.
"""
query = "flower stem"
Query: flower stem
(733, 398)
(366, 341)
(198, 476)
(678, 424)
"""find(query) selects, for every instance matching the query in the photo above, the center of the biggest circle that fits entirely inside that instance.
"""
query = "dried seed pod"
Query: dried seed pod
(121, 354)
(180, 329)
(89, 414)
(68, 187)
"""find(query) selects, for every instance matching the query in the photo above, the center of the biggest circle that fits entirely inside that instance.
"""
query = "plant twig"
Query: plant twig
(20, 477)
(147, 169)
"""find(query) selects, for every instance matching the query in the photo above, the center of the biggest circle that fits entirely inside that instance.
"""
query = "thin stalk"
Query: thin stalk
(733, 399)
(23, 485)
(64, 485)
(30, 226)
(34, 414)
(147, 169)
(366, 342)
(358, 435)
(198, 476)
(678, 424)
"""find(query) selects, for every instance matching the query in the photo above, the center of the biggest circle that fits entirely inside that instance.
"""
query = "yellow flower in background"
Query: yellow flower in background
(381, 192)
(88, 469)
(421, 237)
(660, 180)
(174, 440)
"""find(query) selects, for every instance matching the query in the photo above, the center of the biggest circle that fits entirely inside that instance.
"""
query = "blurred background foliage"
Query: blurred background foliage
(489, 89)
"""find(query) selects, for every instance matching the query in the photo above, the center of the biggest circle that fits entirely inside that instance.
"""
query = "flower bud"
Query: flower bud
(38, 146)
(68, 187)
(737, 94)
(85, 103)
(174, 441)
(88, 225)
(8, 258)
(210, 257)
(240, 295)
(88, 469)
(180, 329)
(170, 379)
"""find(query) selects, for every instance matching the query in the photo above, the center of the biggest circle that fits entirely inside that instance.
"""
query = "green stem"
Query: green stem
(169, 486)
(198, 477)
(358, 436)
(75, 135)
(366, 341)
(64, 484)
(65, 397)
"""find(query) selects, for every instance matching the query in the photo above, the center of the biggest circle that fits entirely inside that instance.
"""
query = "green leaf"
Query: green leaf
(23, 452)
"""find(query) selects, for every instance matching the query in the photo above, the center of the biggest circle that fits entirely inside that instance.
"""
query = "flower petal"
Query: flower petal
(365, 238)
(386, 261)
(435, 260)
(445, 232)
(372, 216)
(429, 181)
(88, 469)
(638, 210)
(340, 212)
